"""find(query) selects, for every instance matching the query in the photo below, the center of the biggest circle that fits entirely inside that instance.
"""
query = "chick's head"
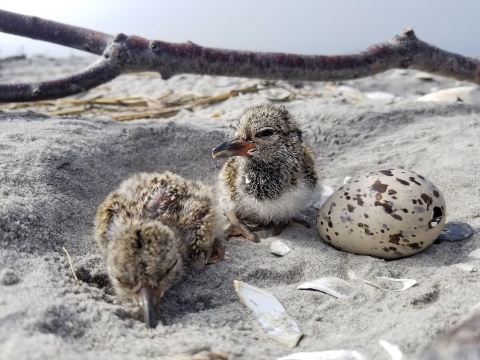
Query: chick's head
(145, 260)
(265, 132)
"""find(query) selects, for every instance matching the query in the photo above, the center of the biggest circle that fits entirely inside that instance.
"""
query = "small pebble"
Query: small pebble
(8, 277)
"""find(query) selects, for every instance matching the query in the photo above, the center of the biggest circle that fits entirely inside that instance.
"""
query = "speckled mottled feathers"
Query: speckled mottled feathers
(271, 184)
(184, 206)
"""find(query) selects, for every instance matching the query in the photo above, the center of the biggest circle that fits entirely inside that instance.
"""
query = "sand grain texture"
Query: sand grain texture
(55, 171)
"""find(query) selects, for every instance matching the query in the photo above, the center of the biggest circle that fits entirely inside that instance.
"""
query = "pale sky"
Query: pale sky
(296, 26)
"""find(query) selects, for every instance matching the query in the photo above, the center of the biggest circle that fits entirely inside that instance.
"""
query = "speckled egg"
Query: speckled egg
(388, 214)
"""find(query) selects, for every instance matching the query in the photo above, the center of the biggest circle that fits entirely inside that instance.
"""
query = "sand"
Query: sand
(55, 171)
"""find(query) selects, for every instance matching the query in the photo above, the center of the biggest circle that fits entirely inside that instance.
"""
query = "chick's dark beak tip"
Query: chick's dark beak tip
(233, 148)
(148, 299)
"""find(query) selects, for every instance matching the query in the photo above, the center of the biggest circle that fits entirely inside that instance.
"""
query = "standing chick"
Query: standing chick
(270, 175)
(150, 228)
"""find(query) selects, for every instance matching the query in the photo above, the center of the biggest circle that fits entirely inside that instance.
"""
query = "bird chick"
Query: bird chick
(270, 175)
(150, 228)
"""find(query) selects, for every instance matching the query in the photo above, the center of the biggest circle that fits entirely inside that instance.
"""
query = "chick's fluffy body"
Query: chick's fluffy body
(276, 183)
(151, 226)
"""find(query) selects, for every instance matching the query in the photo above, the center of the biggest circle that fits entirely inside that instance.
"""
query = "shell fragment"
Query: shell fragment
(475, 254)
(330, 285)
(326, 355)
(270, 314)
(392, 350)
(279, 248)
(466, 267)
(407, 283)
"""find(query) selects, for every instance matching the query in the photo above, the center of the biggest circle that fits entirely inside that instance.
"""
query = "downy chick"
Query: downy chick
(270, 175)
(150, 228)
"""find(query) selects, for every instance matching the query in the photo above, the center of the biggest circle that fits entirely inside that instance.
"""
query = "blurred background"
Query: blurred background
(301, 26)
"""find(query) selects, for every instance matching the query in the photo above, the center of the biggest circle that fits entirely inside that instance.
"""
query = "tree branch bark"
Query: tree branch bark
(127, 54)
(40, 29)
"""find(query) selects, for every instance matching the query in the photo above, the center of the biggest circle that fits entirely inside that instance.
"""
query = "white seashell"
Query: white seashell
(330, 285)
(379, 95)
(270, 314)
(424, 76)
(465, 267)
(279, 248)
(467, 94)
(326, 355)
(475, 254)
(407, 283)
(276, 94)
(392, 350)
(326, 192)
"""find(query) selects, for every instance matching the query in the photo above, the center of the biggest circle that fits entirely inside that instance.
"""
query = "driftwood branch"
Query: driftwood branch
(126, 54)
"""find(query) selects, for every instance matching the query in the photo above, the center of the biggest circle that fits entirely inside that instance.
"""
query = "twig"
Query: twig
(46, 30)
(71, 265)
(127, 54)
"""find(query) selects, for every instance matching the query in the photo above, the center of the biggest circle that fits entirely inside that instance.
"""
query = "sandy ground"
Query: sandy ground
(55, 171)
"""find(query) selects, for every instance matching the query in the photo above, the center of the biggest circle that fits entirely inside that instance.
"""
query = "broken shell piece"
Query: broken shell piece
(326, 355)
(279, 248)
(347, 178)
(475, 254)
(407, 283)
(467, 94)
(330, 285)
(270, 314)
(392, 350)
(379, 95)
(465, 267)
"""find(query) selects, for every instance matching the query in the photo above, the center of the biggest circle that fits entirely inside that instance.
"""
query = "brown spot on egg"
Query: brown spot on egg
(382, 231)
(414, 246)
(420, 202)
(360, 225)
(359, 200)
(395, 238)
(387, 207)
(420, 219)
(329, 238)
(428, 200)
(378, 197)
(386, 249)
(405, 240)
(414, 201)
(436, 193)
(421, 177)
(366, 216)
(359, 190)
(392, 248)
(403, 182)
(394, 198)
(336, 233)
(391, 192)
(397, 217)
(398, 253)
(386, 172)
(330, 224)
(412, 179)
(368, 232)
(379, 187)
(350, 208)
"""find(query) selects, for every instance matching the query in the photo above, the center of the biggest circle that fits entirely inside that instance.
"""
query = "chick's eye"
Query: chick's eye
(265, 133)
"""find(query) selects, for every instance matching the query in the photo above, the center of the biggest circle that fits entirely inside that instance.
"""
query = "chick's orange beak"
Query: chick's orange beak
(148, 298)
(233, 148)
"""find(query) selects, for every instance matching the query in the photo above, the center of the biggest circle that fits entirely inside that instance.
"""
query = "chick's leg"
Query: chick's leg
(238, 228)
(277, 229)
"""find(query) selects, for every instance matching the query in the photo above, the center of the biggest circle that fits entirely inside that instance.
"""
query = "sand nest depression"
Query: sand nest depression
(56, 169)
